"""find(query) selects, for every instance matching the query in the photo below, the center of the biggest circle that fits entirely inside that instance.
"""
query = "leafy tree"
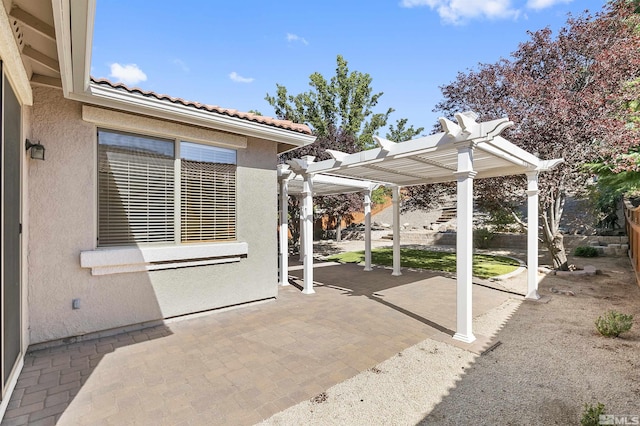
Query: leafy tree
(345, 102)
(340, 113)
(610, 187)
(564, 93)
(402, 133)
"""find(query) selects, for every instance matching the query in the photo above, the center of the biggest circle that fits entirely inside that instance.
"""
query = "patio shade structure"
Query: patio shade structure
(464, 151)
(305, 187)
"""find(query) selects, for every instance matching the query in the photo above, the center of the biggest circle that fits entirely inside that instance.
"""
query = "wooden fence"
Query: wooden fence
(632, 220)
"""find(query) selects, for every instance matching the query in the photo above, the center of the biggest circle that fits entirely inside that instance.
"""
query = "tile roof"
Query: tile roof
(269, 121)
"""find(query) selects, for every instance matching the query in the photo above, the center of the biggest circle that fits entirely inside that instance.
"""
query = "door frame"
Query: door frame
(6, 387)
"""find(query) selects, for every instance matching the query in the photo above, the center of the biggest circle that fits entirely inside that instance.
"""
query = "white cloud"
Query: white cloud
(128, 74)
(181, 64)
(240, 79)
(543, 4)
(294, 37)
(461, 11)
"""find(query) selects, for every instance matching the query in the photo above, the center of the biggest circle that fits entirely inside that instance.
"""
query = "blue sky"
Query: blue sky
(232, 54)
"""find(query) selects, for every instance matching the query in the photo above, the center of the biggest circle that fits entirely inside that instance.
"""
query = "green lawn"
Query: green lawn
(484, 266)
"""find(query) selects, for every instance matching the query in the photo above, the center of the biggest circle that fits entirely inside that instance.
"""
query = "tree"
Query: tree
(402, 133)
(340, 113)
(345, 102)
(564, 95)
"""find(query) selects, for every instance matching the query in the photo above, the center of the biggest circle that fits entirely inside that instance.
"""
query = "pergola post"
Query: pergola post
(284, 232)
(464, 245)
(307, 226)
(301, 228)
(367, 230)
(532, 236)
(396, 231)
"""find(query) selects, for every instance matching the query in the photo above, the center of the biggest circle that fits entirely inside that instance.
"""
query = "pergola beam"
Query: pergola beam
(505, 154)
(393, 172)
(432, 163)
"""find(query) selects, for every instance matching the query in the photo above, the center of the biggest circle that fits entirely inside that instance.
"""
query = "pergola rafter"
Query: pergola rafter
(465, 151)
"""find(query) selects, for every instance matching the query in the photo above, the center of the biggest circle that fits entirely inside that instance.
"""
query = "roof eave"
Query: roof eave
(149, 106)
(73, 22)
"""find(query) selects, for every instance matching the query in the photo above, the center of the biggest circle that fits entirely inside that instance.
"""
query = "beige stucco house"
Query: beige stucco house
(145, 207)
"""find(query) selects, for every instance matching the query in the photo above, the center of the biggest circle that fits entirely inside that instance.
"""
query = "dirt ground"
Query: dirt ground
(551, 360)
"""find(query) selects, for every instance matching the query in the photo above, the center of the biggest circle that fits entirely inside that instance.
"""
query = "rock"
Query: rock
(565, 292)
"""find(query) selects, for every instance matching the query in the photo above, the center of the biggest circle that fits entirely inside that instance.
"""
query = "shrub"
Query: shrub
(586, 251)
(613, 323)
(482, 237)
(501, 219)
(591, 415)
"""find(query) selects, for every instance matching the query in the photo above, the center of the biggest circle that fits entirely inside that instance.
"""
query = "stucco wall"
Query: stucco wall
(62, 215)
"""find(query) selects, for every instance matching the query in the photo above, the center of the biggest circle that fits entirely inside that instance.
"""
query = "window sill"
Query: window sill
(116, 260)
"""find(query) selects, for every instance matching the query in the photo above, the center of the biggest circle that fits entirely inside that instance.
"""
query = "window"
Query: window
(208, 193)
(155, 190)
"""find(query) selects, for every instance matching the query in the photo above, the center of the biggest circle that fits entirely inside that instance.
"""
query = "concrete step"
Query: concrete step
(447, 214)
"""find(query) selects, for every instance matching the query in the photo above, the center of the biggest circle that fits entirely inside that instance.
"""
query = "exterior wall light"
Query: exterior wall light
(37, 150)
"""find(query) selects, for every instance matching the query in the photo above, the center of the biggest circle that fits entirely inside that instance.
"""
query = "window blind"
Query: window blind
(136, 190)
(137, 196)
(208, 193)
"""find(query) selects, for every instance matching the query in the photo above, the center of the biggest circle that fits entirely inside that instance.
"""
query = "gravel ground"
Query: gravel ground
(549, 364)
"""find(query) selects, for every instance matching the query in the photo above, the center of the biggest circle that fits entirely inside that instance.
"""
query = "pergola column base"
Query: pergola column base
(533, 295)
(470, 338)
(308, 291)
(396, 274)
(368, 269)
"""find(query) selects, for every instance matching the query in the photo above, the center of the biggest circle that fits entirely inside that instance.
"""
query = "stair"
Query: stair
(447, 214)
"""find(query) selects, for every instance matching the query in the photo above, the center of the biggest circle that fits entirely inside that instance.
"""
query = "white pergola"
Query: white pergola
(294, 184)
(465, 151)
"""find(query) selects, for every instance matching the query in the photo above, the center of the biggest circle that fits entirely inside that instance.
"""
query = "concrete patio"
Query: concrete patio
(243, 365)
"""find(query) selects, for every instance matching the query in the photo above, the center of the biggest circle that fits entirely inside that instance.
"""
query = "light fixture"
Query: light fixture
(37, 150)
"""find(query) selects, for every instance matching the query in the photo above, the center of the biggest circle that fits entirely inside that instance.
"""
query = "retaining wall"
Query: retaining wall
(606, 245)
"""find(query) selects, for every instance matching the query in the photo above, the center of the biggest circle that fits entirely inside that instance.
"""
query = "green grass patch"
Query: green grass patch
(484, 266)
